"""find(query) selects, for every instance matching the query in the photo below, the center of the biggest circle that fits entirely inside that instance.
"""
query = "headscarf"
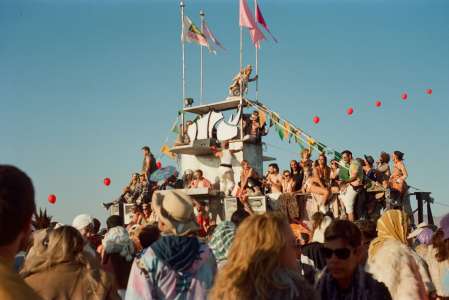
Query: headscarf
(178, 252)
(222, 239)
(392, 225)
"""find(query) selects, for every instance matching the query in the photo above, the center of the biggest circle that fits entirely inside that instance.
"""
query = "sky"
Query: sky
(85, 84)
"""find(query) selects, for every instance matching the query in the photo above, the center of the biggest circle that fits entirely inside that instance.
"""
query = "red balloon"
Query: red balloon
(107, 181)
(52, 199)
(378, 104)
(350, 111)
(158, 165)
(316, 119)
(429, 91)
(404, 96)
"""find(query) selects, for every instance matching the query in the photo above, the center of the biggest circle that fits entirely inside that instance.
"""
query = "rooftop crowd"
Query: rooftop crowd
(358, 243)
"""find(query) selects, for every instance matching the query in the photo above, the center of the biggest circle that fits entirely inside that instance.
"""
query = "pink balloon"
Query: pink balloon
(404, 96)
(107, 181)
(52, 199)
(316, 119)
(429, 91)
(350, 111)
(378, 104)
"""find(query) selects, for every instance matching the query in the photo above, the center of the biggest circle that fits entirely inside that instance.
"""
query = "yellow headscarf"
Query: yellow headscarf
(392, 225)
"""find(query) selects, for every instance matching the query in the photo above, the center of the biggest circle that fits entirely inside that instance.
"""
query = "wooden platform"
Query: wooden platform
(229, 103)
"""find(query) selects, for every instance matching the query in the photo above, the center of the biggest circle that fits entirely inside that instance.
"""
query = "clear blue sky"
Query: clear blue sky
(85, 84)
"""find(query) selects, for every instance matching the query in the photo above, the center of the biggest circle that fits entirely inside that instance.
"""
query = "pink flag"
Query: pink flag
(247, 20)
(261, 20)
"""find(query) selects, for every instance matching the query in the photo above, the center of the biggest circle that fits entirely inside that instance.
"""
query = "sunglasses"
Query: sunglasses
(341, 253)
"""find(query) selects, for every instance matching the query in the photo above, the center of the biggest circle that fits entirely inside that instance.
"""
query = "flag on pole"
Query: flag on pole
(246, 20)
(209, 35)
(192, 33)
(261, 20)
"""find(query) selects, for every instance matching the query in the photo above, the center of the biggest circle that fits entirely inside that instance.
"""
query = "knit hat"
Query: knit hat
(175, 209)
(82, 221)
(117, 241)
(444, 225)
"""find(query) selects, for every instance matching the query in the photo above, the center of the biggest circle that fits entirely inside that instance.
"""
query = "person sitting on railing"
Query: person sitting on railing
(187, 178)
(351, 182)
(297, 173)
(306, 162)
(253, 130)
(128, 194)
(315, 186)
(199, 181)
(288, 183)
(397, 181)
(249, 184)
(383, 169)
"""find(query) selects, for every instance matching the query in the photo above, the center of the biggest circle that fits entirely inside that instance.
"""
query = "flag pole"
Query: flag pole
(201, 59)
(241, 88)
(257, 55)
(182, 5)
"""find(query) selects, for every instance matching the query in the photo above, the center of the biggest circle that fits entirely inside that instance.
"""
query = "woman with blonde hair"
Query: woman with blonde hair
(58, 268)
(262, 263)
(393, 262)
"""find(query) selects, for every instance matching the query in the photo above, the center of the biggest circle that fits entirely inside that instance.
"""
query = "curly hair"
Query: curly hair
(253, 259)
(441, 245)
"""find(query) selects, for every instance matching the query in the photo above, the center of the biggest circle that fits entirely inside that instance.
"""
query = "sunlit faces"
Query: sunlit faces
(341, 258)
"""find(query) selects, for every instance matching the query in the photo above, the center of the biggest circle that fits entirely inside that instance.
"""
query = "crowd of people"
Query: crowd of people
(251, 256)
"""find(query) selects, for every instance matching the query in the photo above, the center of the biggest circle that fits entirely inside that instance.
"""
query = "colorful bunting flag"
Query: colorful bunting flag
(260, 19)
(165, 149)
(246, 20)
(192, 33)
(286, 129)
(208, 33)
(262, 118)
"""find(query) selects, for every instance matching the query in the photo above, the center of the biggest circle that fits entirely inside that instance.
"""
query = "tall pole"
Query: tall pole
(257, 55)
(241, 88)
(201, 60)
(182, 5)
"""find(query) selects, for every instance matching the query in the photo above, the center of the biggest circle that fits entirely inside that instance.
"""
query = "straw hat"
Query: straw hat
(175, 210)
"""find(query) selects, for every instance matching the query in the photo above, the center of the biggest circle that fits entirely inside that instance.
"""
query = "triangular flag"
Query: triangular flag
(208, 33)
(175, 128)
(192, 33)
(280, 131)
(260, 19)
(321, 147)
(286, 129)
(246, 20)
(262, 118)
(165, 149)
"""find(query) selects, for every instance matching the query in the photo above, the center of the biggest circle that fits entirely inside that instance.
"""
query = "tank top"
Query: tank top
(226, 158)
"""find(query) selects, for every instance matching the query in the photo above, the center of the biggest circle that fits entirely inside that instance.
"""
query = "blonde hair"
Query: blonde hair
(306, 152)
(253, 259)
(62, 245)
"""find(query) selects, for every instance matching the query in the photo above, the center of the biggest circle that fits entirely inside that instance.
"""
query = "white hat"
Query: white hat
(175, 209)
(82, 221)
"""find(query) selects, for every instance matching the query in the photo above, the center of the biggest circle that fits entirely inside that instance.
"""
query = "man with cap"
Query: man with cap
(178, 265)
